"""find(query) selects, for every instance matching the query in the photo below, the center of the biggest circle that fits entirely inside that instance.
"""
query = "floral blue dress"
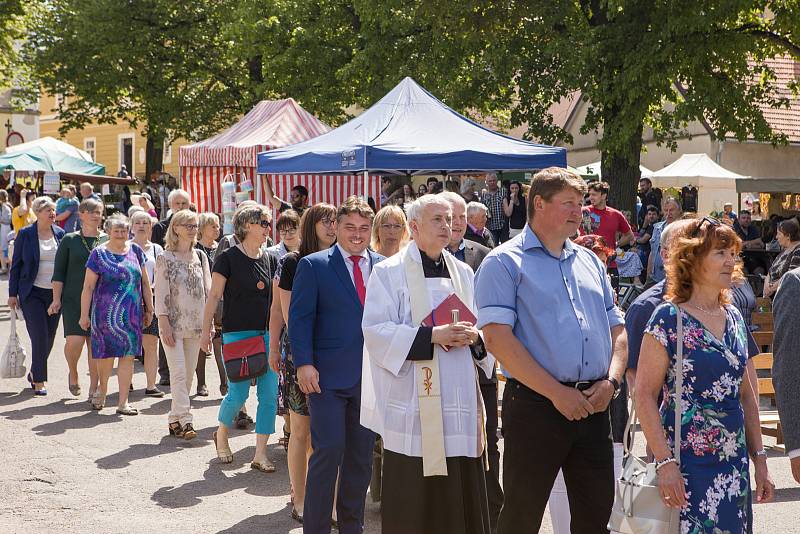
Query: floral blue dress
(714, 459)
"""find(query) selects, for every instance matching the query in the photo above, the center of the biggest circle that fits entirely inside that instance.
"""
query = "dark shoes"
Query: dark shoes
(189, 432)
(155, 392)
(175, 429)
(202, 391)
(164, 381)
(243, 421)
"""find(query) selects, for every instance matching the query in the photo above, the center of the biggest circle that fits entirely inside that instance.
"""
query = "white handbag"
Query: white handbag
(638, 507)
(12, 362)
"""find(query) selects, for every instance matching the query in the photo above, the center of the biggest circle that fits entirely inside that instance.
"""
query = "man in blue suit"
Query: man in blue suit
(327, 347)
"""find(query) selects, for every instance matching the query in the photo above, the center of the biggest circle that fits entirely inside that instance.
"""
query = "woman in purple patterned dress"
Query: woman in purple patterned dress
(114, 291)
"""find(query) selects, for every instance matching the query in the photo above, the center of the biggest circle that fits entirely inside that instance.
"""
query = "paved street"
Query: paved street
(68, 469)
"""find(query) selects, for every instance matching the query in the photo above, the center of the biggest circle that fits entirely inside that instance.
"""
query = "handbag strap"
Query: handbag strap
(678, 383)
(630, 430)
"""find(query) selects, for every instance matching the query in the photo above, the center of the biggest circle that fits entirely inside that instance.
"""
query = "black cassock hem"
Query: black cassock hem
(414, 504)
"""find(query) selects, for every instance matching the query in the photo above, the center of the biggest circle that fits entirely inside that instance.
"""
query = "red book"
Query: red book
(443, 314)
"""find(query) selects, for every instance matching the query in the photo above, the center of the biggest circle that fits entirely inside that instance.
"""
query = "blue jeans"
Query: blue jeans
(266, 391)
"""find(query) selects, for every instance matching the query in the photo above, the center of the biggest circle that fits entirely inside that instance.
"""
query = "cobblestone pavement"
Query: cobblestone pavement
(68, 469)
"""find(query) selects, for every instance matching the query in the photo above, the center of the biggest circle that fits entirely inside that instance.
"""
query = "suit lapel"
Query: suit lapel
(337, 262)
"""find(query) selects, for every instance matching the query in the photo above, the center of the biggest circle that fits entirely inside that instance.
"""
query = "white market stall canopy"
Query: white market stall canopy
(593, 169)
(768, 185)
(50, 144)
(715, 184)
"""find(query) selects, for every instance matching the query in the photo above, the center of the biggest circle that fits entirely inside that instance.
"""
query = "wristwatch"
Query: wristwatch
(616, 384)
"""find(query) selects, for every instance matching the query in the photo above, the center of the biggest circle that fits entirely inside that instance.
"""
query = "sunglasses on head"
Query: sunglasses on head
(709, 220)
(264, 223)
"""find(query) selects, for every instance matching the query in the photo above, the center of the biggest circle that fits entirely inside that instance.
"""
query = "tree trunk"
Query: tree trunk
(620, 168)
(154, 155)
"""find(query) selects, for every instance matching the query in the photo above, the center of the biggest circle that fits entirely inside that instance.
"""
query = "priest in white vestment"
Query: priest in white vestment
(422, 399)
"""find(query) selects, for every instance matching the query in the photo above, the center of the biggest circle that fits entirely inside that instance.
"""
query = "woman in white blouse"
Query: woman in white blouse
(182, 282)
(142, 228)
(30, 285)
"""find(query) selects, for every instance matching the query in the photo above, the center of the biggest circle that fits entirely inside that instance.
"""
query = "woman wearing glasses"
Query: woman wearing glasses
(117, 303)
(288, 227)
(182, 282)
(243, 276)
(317, 232)
(389, 231)
(720, 431)
(207, 235)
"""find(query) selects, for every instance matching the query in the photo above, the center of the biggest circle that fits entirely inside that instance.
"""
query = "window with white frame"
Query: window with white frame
(90, 146)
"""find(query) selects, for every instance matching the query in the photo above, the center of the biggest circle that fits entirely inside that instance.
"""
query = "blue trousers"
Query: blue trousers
(41, 329)
(266, 391)
(341, 446)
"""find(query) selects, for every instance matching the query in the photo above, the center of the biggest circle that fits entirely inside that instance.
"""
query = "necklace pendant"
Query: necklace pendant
(260, 284)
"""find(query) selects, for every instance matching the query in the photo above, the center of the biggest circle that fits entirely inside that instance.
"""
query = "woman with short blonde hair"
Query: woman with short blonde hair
(718, 427)
(182, 281)
(142, 229)
(389, 231)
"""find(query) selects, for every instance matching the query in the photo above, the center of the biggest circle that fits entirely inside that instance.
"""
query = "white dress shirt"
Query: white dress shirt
(364, 264)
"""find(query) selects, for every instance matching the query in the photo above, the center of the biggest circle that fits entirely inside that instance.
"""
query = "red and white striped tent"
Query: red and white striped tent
(270, 124)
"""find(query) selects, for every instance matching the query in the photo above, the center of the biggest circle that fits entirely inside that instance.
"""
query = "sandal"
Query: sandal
(75, 389)
(175, 429)
(285, 439)
(189, 432)
(127, 410)
(225, 455)
(264, 467)
(296, 516)
(98, 402)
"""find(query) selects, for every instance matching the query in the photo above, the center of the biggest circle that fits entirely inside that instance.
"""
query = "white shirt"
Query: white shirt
(364, 264)
(47, 263)
(389, 403)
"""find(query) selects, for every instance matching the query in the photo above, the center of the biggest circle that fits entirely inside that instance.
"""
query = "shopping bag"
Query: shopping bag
(12, 362)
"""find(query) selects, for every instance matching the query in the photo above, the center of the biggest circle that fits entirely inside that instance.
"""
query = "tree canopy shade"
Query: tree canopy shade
(638, 63)
(409, 131)
(157, 64)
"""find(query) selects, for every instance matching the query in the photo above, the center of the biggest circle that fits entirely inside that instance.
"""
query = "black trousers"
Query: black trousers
(538, 442)
(163, 367)
(41, 329)
(494, 491)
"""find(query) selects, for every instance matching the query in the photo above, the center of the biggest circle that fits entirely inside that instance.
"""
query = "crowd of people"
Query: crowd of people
(355, 325)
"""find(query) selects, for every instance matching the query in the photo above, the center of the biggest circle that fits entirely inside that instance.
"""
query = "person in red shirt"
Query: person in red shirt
(602, 220)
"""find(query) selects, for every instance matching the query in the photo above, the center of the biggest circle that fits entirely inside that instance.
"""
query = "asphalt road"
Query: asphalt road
(67, 469)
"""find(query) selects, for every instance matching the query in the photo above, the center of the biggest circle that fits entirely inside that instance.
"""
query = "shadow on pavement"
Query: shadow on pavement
(787, 495)
(163, 405)
(217, 482)
(51, 408)
(90, 419)
(142, 451)
(274, 523)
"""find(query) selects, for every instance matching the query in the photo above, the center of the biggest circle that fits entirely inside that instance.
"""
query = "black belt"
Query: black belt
(580, 385)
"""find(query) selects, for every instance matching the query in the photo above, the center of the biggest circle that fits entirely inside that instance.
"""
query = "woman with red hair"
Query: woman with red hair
(719, 426)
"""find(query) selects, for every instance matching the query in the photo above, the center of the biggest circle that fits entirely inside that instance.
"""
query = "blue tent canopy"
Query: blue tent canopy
(409, 131)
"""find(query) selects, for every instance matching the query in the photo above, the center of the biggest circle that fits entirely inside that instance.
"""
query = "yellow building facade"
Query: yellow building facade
(111, 145)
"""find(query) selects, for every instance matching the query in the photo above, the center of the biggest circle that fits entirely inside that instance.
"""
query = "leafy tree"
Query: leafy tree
(14, 17)
(157, 64)
(639, 63)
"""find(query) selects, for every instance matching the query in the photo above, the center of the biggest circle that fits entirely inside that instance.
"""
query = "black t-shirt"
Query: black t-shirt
(649, 231)
(288, 271)
(248, 289)
(518, 216)
(286, 206)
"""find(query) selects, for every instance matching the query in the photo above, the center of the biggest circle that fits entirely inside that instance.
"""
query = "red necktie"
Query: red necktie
(358, 279)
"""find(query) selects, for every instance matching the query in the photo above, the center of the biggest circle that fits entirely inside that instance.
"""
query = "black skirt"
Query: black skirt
(414, 504)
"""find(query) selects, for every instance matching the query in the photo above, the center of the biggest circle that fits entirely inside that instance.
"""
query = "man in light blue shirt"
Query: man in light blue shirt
(547, 311)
